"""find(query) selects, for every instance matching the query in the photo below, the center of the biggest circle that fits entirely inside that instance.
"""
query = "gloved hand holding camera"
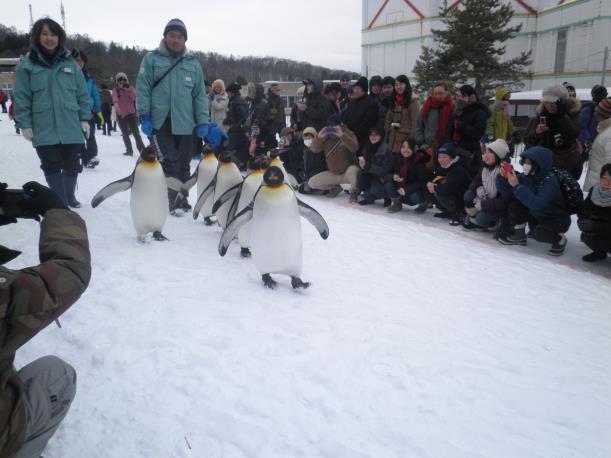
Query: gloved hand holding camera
(32, 202)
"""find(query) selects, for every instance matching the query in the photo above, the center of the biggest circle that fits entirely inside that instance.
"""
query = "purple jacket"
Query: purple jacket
(125, 98)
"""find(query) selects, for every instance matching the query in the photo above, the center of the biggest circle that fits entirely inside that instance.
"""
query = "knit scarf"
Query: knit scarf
(489, 181)
(445, 108)
(601, 198)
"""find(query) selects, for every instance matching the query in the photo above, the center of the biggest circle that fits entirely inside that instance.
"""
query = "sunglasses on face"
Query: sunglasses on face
(121, 79)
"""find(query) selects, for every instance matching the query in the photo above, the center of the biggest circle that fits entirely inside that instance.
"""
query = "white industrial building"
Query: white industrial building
(567, 37)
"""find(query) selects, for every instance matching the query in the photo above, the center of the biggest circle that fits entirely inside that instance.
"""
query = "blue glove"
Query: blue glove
(215, 136)
(146, 124)
(202, 130)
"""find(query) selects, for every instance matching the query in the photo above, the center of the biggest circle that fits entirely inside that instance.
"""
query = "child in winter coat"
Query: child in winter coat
(410, 174)
(538, 201)
(483, 202)
(595, 218)
(376, 165)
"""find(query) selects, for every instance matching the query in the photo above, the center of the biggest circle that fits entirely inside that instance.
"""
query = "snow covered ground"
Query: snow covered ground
(415, 340)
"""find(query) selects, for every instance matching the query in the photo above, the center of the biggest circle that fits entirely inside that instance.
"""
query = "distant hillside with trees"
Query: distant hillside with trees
(106, 59)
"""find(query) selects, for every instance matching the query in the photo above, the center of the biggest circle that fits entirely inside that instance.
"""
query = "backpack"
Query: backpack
(571, 191)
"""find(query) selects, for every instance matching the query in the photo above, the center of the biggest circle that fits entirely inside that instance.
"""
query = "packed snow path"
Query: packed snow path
(414, 340)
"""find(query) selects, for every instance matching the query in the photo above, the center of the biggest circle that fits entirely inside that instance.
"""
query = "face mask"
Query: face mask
(527, 168)
(308, 142)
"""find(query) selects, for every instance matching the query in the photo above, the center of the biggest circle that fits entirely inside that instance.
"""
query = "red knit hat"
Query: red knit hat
(603, 110)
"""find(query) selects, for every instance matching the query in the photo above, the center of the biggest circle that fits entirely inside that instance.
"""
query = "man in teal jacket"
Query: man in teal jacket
(171, 102)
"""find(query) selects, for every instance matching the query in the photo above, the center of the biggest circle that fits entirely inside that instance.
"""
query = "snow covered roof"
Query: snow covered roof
(582, 94)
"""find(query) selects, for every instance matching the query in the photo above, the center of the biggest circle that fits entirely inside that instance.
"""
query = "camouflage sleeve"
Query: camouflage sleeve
(33, 297)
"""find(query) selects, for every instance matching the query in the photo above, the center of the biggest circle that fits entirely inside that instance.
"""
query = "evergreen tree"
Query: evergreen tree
(471, 48)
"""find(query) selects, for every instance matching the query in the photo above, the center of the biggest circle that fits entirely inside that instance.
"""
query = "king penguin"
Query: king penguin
(245, 195)
(203, 176)
(277, 162)
(275, 229)
(149, 194)
(228, 177)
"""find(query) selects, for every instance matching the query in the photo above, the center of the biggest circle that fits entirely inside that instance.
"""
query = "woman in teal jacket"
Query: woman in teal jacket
(52, 107)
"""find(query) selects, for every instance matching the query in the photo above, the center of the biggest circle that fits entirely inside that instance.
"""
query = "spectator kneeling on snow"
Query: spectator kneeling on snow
(595, 218)
(339, 145)
(376, 164)
(447, 187)
(538, 201)
(484, 203)
(34, 400)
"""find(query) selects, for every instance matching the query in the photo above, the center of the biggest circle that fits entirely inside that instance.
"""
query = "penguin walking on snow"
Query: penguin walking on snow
(228, 177)
(275, 235)
(244, 197)
(149, 194)
(203, 176)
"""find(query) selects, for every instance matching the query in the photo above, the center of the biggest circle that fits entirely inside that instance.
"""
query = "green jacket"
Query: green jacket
(51, 99)
(181, 94)
(499, 125)
(30, 299)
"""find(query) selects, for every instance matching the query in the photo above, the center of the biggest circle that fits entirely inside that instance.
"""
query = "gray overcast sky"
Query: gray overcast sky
(322, 32)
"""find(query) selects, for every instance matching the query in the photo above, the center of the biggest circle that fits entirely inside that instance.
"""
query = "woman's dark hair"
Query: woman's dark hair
(54, 27)
(411, 142)
(605, 169)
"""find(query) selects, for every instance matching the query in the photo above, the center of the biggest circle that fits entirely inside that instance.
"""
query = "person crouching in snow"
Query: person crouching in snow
(484, 204)
(409, 176)
(595, 218)
(376, 164)
(447, 187)
(538, 201)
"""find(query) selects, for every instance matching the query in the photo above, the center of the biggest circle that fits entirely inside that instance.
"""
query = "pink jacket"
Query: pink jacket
(125, 98)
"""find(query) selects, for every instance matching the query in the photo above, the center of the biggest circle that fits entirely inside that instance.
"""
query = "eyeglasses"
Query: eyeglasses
(606, 178)
(121, 79)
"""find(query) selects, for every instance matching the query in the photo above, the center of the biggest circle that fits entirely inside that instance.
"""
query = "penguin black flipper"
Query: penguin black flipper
(314, 218)
(187, 185)
(174, 184)
(233, 228)
(111, 189)
(227, 195)
(204, 196)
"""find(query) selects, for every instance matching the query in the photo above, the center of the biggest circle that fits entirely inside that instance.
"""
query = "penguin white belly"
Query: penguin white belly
(276, 232)
(249, 189)
(149, 198)
(228, 175)
(205, 173)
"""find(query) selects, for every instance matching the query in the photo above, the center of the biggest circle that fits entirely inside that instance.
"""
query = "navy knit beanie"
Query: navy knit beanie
(176, 24)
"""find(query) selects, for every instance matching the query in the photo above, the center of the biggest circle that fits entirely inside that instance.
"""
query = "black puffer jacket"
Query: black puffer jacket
(317, 108)
(601, 216)
(360, 116)
(470, 125)
(413, 172)
(456, 180)
(378, 160)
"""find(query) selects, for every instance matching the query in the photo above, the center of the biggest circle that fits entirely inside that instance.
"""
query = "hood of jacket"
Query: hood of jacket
(543, 157)
(164, 51)
(38, 57)
(573, 106)
(501, 93)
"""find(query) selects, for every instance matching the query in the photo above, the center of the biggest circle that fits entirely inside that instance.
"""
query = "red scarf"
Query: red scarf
(445, 109)
(399, 98)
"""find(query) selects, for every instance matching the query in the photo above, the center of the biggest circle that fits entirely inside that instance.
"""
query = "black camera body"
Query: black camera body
(10, 203)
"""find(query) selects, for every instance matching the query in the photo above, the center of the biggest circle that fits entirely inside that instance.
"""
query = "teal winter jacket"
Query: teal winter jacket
(51, 98)
(180, 95)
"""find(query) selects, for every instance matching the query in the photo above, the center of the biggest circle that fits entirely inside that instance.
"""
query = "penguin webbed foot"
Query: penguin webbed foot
(298, 283)
(268, 281)
(245, 252)
(208, 221)
(157, 235)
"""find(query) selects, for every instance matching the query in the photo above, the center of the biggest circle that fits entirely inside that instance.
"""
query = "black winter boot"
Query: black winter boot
(518, 237)
(595, 256)
(396, 205)
(70, 188)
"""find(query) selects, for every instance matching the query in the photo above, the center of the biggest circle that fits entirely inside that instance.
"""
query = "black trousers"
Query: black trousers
(454, 205)
(106, 127)
(239, 143)
(519, 214)
(596, 243)
(129, 125)
(89, 149)
(176, 150)
(59, 158)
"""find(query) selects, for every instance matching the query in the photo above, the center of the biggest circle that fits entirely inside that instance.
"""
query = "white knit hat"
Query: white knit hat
(499, 147)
